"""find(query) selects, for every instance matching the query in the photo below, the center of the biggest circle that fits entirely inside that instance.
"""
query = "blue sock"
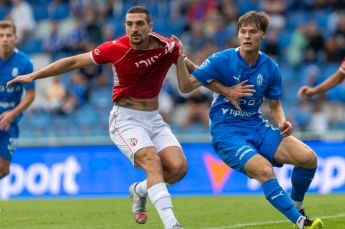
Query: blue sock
(280, 200)
(301, 179)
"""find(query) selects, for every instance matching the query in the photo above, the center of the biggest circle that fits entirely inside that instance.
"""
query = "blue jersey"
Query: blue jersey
(229, 68)
(17, 64)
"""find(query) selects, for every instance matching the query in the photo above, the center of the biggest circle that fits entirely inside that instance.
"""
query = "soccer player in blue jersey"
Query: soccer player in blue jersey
(241, 137)
(12, 102)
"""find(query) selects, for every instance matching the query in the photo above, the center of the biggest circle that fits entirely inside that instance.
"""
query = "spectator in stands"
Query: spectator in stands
(215, 28)
(297, 46)
(77, 92)
(22, 16)
(302, 115)
(335, 47)
(276, 9)
(315, 43)
(230, 12)
(272, 47)
(92, 27)
(198, 9)
(55, 96)
(195, 38)
(54, 42)
(58, 9)
(75, 42)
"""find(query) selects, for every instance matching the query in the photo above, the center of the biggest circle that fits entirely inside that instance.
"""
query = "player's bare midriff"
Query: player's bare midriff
(138, 104)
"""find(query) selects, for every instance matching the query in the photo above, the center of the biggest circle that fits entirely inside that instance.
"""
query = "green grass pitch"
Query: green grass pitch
(211, 212)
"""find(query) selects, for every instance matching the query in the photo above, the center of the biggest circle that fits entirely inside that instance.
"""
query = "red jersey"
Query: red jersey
(342, 67)
(139, 73)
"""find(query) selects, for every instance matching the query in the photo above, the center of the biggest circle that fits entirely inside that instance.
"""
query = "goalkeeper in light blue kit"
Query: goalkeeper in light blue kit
(240, 136)
(12, 102)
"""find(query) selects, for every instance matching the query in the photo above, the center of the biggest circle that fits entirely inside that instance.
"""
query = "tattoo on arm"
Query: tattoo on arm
(190, 65)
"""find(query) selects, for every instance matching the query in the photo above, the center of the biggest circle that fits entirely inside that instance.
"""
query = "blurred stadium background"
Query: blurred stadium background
(64, 148)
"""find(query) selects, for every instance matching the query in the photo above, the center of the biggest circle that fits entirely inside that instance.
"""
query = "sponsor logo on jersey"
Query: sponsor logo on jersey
(237, 78)
(97, 51)
(149, 61)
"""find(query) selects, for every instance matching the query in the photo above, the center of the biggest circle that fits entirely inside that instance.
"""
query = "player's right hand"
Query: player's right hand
(20, 79)
(306, 91)
(180, 44)
(238, 91)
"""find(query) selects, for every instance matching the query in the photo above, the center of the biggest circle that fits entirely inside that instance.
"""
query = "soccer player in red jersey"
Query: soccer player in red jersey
(140, 61)
(331, 82)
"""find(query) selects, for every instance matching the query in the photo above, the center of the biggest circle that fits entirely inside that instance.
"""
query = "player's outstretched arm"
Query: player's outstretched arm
(329, 83)
(56, 68)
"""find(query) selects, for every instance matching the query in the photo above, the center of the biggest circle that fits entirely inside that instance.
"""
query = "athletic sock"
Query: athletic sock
(141, 188)
(301, 179)
(298, 204)
(300, 222)
(161, 199)
(280, 200)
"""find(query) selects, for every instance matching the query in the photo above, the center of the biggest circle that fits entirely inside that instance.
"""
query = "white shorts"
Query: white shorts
(132, 130)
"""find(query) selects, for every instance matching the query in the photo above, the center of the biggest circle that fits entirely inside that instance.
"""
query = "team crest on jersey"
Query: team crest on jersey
(259, 79)
(133, 142)
(97, 51)
(14, 72)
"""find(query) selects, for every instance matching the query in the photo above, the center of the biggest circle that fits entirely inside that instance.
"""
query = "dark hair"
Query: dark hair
(8, 24)
(260, 19)
(140, 9)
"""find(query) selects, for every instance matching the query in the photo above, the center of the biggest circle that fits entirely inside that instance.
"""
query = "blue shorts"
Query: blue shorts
(236, 145)
(8, 142)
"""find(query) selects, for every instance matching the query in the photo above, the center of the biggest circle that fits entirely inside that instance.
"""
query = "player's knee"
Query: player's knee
(264, 173)
(308, 159)
(176, 171)
(151, 162)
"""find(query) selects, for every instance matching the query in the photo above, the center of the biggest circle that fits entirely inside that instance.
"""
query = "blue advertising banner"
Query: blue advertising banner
(99, 171)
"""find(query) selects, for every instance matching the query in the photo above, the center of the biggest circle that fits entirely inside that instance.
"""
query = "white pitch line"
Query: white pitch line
(255, 224)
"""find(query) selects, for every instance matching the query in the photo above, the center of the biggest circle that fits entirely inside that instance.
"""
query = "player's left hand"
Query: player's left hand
(20, 79)
(306, 91)
(6, 119)
(238, 91)
(286, 129)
